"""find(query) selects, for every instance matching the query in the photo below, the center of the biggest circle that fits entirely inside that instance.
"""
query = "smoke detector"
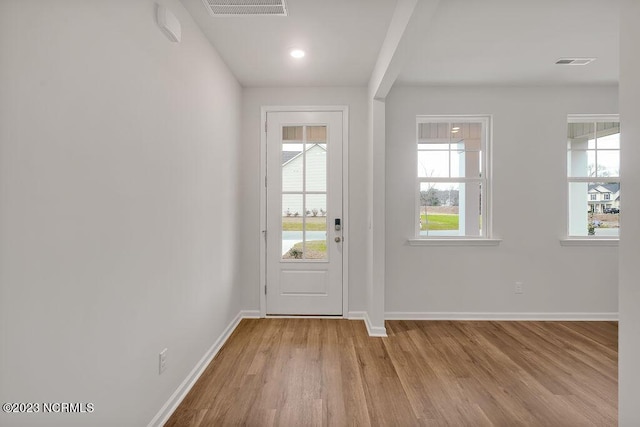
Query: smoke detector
(575, 61)
(246, 7)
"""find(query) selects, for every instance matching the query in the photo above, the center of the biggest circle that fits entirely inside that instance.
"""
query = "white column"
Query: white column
(629, 285)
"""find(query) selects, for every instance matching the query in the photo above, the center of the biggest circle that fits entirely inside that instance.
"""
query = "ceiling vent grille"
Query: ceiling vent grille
(246, 7)
(574, 61)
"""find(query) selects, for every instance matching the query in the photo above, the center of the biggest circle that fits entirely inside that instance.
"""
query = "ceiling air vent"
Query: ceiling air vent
(574, 61)
(246, 7)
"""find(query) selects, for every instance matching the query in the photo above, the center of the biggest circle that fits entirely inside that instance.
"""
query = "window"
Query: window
(452, 173)
(593, 175)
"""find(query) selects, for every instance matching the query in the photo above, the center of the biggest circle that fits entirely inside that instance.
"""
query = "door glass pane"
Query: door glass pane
(316, 167)
(316, 227)
(317, 134)
(292, 225)
(292, 167)
(292, 133)
(304, 171)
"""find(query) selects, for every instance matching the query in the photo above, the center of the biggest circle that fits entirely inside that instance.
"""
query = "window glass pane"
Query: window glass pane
(439, 209)
(450, 209)
(581, 163)
(609, 142)
(581, 132)
(608, 163)
(591, 164)
(608, 135)
(292, 236)
(466, 164)
(458, 163)
(433, 145)
(467, 132)
(594, 209)
(457, 132)
(433, 131)
(433, 164)
(316, 167)
(292, 167)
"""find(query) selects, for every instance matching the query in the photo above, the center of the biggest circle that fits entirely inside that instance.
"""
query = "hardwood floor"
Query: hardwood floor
(316, 372)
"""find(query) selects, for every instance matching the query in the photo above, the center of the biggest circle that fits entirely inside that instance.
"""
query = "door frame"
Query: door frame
(345, 197)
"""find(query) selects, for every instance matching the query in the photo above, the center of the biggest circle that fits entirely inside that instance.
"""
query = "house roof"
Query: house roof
(611, 187)
(297, 154)
(288, 155)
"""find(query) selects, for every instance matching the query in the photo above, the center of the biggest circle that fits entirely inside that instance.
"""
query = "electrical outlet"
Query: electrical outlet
(162, 361)
(519, 288)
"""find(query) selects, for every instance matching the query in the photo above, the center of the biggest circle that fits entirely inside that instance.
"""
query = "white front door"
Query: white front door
(304, 213)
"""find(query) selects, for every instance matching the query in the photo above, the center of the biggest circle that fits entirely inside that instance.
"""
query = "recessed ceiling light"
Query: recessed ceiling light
(454, 131)
(297, 53)
(455, 128)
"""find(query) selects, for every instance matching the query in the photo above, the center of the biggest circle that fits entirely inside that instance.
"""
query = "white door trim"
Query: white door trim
(345, 197)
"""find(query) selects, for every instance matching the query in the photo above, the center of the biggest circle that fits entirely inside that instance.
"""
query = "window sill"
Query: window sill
(454, 242)
(589, 242)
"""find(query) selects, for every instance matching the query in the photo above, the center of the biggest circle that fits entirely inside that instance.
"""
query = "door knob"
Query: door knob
(338, 239)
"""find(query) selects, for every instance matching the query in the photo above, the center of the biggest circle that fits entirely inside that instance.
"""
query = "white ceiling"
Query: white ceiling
(466, 42)
(517, 42)
(342, 39)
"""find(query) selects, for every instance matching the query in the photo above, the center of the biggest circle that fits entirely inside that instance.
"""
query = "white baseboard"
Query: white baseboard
(372, 330)
(356, 315)
(250, 314)
(181, 392)
(405, 315)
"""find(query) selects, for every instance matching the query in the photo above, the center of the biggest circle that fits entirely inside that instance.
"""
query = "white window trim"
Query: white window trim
(454, 241)
(487, 183)
(589, 241)
(569, 240)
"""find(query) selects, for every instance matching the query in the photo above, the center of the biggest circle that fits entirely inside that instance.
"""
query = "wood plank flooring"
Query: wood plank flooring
(329, 372)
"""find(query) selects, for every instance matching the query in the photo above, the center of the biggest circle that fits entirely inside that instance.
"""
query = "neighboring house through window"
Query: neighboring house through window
(593, 174)
(452, 177)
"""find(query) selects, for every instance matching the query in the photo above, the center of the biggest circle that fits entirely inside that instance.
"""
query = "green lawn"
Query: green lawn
(291, 223)
(313, 245)
(439, 222)
(316, 249)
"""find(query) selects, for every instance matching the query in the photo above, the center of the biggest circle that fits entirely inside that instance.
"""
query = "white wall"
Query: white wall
(118, 206)
(253, 100)
(629, 335)
(529, 209)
